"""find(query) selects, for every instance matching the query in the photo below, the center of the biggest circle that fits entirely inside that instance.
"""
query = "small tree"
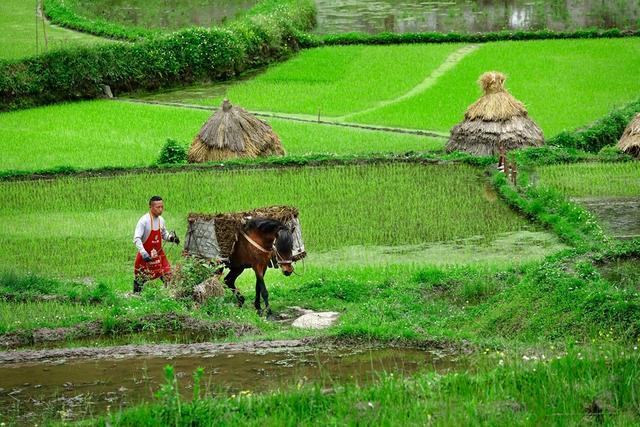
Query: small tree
(172, 153)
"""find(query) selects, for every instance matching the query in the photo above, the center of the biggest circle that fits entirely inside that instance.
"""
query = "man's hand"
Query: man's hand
(173, 237)
(146, 257)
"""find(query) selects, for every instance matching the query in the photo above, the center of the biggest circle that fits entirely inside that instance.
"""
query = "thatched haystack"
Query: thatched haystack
(496, 119)
(214, 235)
(630, 140)
(232, 132)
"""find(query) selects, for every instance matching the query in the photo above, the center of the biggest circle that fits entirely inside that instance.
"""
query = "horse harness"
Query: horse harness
(279, 258)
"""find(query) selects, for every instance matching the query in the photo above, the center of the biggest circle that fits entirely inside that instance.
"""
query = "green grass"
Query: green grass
(18, 29)
(88, 223)
(31, 315)
(105, 133)
(593, 179)
(338, 80)
(564, 84)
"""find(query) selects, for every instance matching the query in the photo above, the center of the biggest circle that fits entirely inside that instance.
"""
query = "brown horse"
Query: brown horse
(263, 240)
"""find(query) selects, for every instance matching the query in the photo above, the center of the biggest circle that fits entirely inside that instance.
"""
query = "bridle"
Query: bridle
(279, 258)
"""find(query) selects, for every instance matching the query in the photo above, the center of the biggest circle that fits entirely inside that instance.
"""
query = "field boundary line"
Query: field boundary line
(304, 118)
(450, 62)
(283, 163)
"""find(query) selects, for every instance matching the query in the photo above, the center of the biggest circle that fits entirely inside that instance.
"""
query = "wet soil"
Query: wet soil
(624, 273)
(199, 329)
(76, 383)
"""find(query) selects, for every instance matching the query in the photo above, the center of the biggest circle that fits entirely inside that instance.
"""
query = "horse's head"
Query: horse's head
(284, 250)
(277, 236)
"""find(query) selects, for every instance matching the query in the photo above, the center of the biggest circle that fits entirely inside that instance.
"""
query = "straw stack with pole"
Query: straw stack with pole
(495, 120)
(630, 140)
(232, 132)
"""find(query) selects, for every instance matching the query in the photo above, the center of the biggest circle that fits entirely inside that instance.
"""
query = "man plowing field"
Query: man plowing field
(151, 261)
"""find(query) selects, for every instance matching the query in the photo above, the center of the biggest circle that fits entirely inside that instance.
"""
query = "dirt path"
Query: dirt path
(451, 61)
(150, 350)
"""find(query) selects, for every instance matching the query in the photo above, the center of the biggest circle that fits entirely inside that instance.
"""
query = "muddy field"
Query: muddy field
(78, 382)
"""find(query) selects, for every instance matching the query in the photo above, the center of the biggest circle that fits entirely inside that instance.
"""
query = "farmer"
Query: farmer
(151, 262)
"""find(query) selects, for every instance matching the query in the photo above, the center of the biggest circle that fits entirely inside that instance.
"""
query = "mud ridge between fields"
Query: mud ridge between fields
(155, 322)
(60, 355)
(439, 347)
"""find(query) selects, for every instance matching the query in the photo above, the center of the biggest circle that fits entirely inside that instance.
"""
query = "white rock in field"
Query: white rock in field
(313, 320)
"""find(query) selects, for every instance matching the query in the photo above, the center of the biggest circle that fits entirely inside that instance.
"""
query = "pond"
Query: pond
(74, 388)
(465, 16)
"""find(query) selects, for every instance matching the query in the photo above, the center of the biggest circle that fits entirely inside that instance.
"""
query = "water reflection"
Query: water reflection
(374, 16)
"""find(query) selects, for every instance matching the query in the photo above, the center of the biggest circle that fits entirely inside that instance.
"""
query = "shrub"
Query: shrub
(172, 153)
(604, 132)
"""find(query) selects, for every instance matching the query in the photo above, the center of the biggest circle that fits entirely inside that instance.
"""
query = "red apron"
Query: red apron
(159, 264)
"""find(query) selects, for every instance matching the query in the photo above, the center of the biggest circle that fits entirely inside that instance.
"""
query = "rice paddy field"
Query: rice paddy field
(18, 29)
(593, 179)
(429, 86)
(98, 134)
(523, 308)
(89, 218)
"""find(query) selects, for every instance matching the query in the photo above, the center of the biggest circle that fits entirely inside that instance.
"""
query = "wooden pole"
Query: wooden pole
(44, 27)
(37, 27)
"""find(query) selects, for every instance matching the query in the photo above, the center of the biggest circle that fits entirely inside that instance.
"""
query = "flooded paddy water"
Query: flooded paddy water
(74, 383)
(467, 16)
(165, 14)
(375, 16)
(620, 216)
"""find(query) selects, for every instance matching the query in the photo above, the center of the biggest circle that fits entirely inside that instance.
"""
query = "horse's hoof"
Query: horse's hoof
(268, 313)
(240, 301)
(259, 311)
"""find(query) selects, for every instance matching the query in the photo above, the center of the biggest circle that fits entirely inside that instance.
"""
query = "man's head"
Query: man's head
(156, 205)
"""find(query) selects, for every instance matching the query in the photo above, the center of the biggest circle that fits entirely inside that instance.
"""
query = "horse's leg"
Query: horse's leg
(256, 303)
(261, 290)
(230, 281)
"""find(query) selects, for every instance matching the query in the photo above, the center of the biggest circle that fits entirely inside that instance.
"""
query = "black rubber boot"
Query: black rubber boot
(137, 286)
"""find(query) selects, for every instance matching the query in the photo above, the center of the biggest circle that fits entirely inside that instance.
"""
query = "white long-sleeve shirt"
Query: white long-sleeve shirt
(143, 229)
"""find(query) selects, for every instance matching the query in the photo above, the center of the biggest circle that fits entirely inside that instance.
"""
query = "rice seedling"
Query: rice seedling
(593, 179)
(333, 81)
(18, 26)
(563, 83)
(105, 133)
(90, 221)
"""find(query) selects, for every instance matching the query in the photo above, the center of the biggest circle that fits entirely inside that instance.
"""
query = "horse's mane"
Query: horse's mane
(284, 242)
(265, 225)
(284, 239)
